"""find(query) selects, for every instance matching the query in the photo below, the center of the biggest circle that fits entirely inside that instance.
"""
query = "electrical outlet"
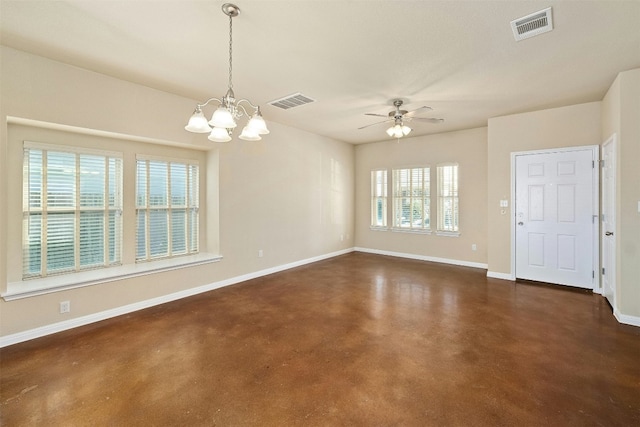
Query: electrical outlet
(342, 237)
(260, 253)
(65, 307)
(474, 247)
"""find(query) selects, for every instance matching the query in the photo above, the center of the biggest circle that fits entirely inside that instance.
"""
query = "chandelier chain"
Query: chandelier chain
(230, 51)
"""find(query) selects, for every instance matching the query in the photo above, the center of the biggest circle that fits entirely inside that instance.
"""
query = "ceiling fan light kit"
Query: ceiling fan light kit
(224, 118)
(398, 116)
(398, 130)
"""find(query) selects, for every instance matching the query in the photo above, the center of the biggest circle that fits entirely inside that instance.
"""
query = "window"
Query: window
(72, 209)
(448, 198)
(411, 192)
(379, 198)
(166, 208)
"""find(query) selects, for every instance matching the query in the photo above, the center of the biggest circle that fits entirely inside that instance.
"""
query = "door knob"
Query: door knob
(608, 233)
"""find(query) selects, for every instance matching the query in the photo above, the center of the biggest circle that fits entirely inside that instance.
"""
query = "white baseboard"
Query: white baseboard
(423, 258)
(626, 319)
(503, 276)
(119, 311)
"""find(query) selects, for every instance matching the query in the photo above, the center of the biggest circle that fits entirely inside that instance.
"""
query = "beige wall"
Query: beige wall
(295, 195)
(467, 148)
(272, 193)
(576, 125)
(620, 115)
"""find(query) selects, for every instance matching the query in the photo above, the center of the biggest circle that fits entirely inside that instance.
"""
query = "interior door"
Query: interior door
(609, 220)
(554, 223)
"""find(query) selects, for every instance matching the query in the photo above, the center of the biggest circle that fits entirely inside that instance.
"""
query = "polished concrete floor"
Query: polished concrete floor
(357, 340)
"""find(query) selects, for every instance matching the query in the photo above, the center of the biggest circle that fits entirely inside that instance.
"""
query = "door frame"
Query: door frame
(595, 218)
(611, 141)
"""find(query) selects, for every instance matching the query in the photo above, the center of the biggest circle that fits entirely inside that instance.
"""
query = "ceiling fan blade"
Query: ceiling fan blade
(377, 123)
(428, 119)
(376, 115)
(423, 108)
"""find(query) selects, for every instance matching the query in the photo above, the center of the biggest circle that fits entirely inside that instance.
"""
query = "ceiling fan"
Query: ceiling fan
(399, 117)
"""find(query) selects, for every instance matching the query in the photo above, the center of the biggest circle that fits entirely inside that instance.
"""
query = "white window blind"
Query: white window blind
(411, 193)
(379, 198)
(72, 210)
(448, 197)
(166, 209)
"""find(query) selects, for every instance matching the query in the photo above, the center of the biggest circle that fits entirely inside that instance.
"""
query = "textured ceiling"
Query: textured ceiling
(353, 57)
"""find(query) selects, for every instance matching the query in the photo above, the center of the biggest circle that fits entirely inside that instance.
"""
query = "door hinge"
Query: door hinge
(593, 164)
(593, 274)
(603, 271)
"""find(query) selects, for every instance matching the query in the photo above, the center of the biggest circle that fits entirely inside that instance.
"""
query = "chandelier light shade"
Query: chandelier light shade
(225, 118)
(198, 122)
(219, 135)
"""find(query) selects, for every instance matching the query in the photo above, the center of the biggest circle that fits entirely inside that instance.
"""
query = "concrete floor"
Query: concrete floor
(359, 339)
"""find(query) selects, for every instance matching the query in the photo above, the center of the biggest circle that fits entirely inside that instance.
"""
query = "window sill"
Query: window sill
(410, 230)
(374, 228)
(448, 233)
(47, 285)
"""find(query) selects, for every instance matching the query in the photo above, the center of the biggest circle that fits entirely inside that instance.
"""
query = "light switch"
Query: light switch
(504, 203)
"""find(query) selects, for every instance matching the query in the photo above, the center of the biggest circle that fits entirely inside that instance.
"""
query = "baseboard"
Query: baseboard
(503, 276)
(423, 258)
(129, 308)
(626, 319)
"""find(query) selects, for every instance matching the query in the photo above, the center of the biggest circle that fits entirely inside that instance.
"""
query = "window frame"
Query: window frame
(111, 206)
(191, 209)
(424, 199)
(452, 196)
(379, 199)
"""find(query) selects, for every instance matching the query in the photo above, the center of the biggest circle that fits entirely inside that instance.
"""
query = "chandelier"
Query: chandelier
(224, 118)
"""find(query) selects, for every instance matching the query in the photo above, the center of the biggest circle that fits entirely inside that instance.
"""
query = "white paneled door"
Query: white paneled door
(554, 217)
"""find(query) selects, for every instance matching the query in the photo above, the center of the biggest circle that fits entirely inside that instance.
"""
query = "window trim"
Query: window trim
(415, 230)
(63, 282)
(76, 210)
(188, 208)
(455, 198)
(374, 198)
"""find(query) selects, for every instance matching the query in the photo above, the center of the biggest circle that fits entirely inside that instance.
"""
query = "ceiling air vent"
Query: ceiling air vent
(295, 100)
(532, 25)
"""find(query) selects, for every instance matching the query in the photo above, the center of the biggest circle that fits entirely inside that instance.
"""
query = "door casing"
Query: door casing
(609, 196)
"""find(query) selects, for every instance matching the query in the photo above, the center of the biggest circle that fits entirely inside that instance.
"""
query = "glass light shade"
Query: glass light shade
(398, 131)
(222, 118)
(198, 123)
(258, 124)
(219, 135)
(249, 134)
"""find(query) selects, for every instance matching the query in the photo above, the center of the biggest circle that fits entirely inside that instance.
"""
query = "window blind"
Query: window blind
(72, 210)
(166, 209)
(379, 198)
(448, 197)
(411, 198)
